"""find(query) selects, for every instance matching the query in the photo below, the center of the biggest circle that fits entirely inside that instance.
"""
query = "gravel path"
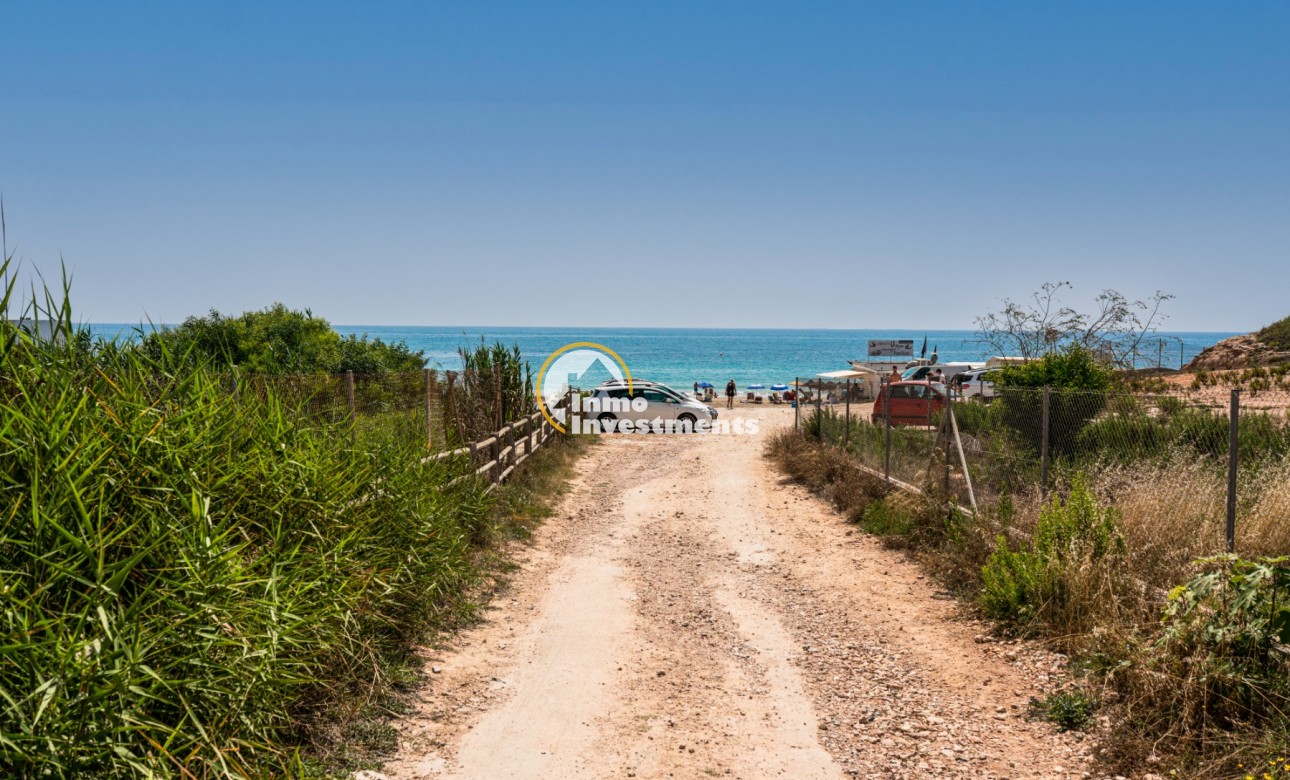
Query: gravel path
(688, 614)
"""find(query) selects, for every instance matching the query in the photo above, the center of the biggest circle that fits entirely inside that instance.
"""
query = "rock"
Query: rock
(1237, 352)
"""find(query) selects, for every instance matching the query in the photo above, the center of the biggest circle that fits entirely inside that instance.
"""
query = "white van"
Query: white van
(948, 371)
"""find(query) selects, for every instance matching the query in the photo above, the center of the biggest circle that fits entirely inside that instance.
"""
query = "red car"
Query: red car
(912, 403)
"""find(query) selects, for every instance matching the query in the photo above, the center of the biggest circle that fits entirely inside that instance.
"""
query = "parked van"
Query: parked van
(912, 403)
(948, 371)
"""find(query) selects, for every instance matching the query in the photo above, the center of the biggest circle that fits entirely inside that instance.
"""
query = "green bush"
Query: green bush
(1070, 709)
(1135, 435)
(1072, 369)
(1077, 528)
(1082, 383)
(278, 340)
(1015, 584)
(1222, 631)
(1021, 586)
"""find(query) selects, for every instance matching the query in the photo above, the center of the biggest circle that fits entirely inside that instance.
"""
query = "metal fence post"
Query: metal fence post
(797, 403)
(846, 437)
(949, 500)
(1233, 461)
(886, 444)
(429, 376)
(1043, 446)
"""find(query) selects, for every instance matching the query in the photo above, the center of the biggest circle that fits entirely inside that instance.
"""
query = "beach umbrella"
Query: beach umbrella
(778, 388)
(705, 384)
(757, 386)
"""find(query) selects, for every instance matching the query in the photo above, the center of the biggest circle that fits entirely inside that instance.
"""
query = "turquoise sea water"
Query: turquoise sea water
(680, 357)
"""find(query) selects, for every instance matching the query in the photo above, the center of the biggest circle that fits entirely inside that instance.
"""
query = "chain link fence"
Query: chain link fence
(1191, 474)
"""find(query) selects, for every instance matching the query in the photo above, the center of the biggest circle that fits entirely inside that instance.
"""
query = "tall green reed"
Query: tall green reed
(189, 584)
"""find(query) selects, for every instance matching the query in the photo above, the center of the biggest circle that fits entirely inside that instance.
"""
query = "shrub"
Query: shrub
(1070, 539)
(1077, 528)
(1221, 635)
(1083, 383)
(278, 340)
(1015, 584)
(1071, 369)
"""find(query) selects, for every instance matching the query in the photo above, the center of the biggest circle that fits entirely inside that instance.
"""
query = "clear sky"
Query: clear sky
(849, 164)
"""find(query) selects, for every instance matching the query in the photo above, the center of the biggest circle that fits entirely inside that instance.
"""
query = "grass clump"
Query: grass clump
(1070, 709)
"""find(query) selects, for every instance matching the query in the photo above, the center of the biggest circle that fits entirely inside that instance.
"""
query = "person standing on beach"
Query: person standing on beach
(895, 375)
(730, 394)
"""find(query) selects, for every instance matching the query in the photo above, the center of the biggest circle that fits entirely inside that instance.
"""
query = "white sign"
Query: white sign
(891, 347)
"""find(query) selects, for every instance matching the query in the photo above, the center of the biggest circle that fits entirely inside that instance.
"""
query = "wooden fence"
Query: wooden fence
(505, 450)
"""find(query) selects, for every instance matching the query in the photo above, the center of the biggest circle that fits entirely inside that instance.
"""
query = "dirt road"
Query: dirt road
(688, 614)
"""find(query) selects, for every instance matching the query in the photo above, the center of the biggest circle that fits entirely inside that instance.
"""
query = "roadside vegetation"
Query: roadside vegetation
(196, 584)
(1180, 655)
(276, 340)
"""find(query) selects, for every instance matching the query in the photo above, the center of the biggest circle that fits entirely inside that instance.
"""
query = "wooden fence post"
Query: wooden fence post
(499, 397)
(429, 375)
(819, 411)
(349, 394)
(237, 386)
(846, 440)
(450, 404)
(797, 402)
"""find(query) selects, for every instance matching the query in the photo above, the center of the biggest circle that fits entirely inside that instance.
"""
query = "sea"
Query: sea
(679, 357)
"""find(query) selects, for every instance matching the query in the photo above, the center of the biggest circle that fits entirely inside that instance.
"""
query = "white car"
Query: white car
(649, 406)
(976, 383)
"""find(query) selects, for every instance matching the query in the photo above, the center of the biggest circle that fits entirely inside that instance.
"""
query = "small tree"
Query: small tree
(1113, 332)
(1082, 383)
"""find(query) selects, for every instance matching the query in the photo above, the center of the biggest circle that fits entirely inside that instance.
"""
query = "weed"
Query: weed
(1071, 709)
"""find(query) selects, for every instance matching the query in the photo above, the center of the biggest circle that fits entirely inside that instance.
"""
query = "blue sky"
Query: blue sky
(724, 164)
